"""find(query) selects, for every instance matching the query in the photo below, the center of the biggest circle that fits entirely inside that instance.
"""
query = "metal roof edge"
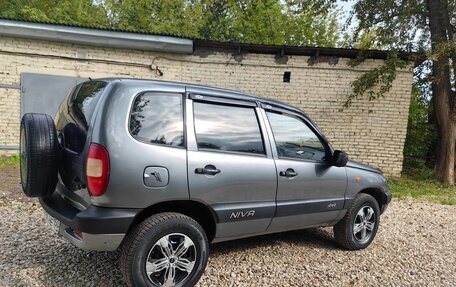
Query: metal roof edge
(95, 37)
(298, 50)
(140, 40)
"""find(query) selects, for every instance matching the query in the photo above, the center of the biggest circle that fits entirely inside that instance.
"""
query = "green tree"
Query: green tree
(268, 22)
(81, 12)
(420, 132)
(427, 27)
(177, 17)
(241, 21)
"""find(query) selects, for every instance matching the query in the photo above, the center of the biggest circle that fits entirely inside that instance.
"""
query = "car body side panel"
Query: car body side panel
(314, 197)
(360, 179)
(129, 157)
(242, 195)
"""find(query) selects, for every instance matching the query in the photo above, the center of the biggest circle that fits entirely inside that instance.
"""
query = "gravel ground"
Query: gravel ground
(415, 246)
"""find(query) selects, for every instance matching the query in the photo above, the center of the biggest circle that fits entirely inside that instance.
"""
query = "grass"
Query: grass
(9, 161)
(422, 187)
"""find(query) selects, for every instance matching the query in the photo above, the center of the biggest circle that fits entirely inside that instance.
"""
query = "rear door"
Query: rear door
(310, 190)
(230, 168)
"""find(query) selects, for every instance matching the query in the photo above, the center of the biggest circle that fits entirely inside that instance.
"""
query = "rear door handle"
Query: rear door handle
(208, 169)
(288, 173)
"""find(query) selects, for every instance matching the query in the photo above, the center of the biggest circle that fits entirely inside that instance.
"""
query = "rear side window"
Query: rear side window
(83, 104)
(158, 118)
(227, 128)
(294, 139)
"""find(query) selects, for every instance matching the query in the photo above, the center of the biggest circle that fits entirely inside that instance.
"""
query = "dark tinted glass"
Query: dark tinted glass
(227, 128)
(294, 138)
(158, 118)
(83, 105)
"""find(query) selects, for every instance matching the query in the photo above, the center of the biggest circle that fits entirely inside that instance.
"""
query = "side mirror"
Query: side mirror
(340, 158)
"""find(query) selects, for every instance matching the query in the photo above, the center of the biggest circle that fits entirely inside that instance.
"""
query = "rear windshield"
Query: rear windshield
(83, 103)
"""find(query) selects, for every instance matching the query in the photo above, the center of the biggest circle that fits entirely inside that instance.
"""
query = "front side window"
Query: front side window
(158, 118)
(294, 139)
(227, 128)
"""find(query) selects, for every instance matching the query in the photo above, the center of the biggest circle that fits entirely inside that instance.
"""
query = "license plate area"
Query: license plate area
(52, 223)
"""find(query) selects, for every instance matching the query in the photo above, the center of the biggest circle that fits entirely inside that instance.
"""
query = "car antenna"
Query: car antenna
(90, 79)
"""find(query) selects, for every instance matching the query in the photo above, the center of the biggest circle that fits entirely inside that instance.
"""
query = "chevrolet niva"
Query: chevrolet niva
(160, 169)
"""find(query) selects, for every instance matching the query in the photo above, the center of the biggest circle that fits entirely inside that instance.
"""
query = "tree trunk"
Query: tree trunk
(441, 89)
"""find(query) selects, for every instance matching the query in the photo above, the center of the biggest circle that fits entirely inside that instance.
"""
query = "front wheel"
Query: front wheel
(167, 249)
(359, 226)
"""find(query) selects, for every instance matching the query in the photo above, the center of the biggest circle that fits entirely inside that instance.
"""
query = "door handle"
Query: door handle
(208, 169)
(288, 173)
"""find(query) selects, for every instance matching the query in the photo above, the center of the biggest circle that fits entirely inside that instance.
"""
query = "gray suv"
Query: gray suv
(161, 169)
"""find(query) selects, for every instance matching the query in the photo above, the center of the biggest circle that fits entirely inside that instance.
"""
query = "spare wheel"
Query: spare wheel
(39, 156)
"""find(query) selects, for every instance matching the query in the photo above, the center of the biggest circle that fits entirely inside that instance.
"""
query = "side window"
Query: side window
(82, 104)
(294, 139)
(158, 118)
(227, 128)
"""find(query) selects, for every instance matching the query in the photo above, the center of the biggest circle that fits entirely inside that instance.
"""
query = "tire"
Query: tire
(344, 231)
(144, 244)
(39, 160)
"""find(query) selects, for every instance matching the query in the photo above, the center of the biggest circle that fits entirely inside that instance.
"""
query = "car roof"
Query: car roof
(231, 94)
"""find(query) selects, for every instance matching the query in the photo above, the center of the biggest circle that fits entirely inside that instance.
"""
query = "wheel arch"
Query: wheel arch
(199, 212)
(378, 194)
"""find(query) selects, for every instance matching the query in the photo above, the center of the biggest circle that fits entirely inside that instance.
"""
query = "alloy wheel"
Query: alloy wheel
(364, 224)
(171, 260)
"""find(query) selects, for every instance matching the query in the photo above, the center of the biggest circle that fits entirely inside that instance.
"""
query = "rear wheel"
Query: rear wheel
(167, 249)
(359, 226)
(39, 159)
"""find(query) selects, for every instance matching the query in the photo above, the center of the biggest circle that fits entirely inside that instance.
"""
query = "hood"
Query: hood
(360, 165)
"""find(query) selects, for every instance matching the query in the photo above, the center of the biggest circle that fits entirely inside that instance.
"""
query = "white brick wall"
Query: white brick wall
(372, 132)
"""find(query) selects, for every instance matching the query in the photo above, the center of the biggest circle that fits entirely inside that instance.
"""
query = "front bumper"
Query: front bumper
(388, 196)
(93, 228)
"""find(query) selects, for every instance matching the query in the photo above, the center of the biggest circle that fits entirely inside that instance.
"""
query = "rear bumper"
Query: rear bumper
(94, 242)
(102, 228)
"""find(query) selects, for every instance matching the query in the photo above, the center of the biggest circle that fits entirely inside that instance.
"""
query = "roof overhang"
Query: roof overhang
(297, 50)
(94, 37)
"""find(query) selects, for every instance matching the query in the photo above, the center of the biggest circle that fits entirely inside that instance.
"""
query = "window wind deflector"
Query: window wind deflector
(272, 107)
(222, 100)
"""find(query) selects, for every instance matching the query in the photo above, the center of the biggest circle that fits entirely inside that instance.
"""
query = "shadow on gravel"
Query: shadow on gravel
(311, 238)
(79, 265)
(104, 266)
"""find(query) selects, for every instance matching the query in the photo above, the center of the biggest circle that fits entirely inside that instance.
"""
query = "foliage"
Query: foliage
(178, 17)
(381, 77)
(420, 133)
(385, 24)
(9, 161)
(241, 21)
(82, 12)
(422, 186)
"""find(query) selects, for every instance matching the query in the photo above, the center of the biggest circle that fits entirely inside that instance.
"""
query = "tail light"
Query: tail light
(97, 169)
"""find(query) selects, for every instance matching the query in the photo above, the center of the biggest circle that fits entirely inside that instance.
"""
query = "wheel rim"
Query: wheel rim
(171, 260)
(23, 158)
(364, 224)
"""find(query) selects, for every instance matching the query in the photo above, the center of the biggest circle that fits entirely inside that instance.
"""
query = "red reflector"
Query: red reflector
(78, 233)
(97, 169)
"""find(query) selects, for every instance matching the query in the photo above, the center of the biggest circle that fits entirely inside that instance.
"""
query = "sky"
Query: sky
(346, 8)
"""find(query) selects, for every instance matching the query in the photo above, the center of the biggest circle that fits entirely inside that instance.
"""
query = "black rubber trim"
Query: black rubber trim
(294, 207)
(387, 197)
(203, 98)
(239, 211)
(93, 220)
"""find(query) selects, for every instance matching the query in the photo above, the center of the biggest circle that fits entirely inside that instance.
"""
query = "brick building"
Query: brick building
(317, 80)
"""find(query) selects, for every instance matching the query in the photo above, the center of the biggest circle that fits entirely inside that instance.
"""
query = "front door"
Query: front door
(310, 190)
(229, 168)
